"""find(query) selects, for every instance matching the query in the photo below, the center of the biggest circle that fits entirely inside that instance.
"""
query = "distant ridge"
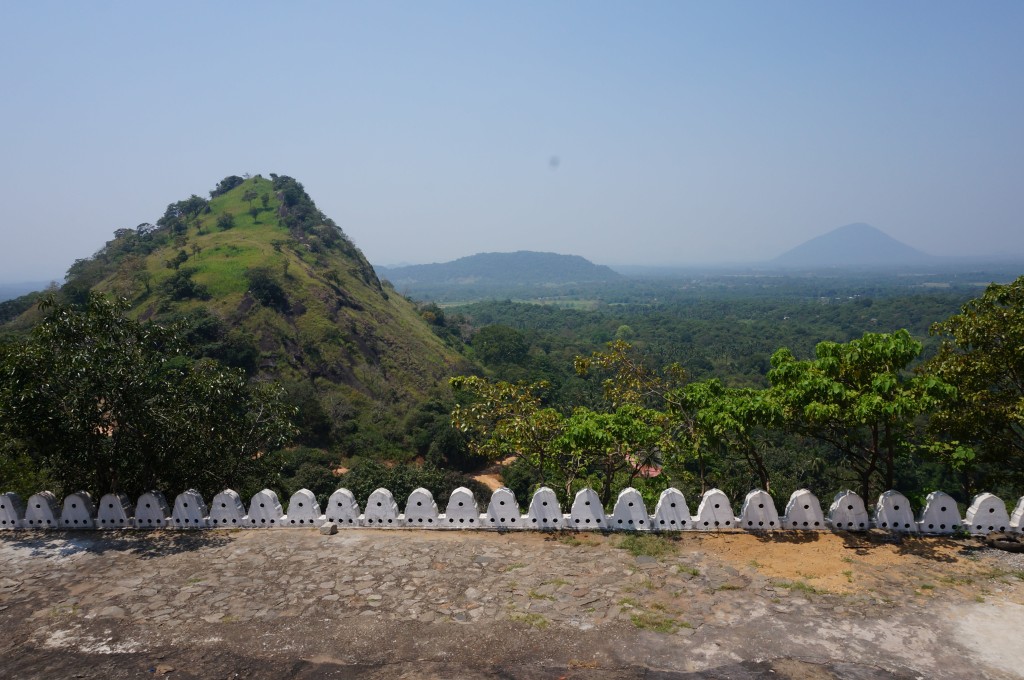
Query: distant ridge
(520, 268)
(852, 245)
(9, 291)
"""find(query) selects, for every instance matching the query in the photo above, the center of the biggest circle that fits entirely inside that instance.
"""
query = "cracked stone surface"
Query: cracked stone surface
(421, 604)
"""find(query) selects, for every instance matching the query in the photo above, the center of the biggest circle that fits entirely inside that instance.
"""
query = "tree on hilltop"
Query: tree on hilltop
(181, 214)
(226, 185)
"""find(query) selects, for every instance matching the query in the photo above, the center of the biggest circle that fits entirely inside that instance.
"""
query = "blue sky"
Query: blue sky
(684, 132)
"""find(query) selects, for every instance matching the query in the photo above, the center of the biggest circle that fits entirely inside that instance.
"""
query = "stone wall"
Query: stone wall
(715, 512)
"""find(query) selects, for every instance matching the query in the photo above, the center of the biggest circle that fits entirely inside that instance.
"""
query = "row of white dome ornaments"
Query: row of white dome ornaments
(803, 512)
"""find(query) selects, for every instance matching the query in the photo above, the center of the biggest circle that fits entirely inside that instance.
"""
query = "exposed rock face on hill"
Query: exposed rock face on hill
(853, 245)
(272, 285)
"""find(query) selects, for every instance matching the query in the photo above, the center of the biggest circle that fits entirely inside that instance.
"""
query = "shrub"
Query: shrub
(182, 287)
(368, 475)
(264, 286)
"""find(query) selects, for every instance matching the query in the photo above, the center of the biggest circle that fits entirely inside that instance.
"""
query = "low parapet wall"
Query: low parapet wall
(715, 512)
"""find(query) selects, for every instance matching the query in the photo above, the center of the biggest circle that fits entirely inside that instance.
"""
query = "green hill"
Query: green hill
(493, 275)
(272, 285)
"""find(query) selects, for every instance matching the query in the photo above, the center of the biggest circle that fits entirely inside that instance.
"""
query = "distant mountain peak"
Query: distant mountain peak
(851, 245)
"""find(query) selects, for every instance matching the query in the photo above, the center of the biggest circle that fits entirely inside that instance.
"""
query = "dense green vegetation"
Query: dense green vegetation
(737, 380)
(94, 400)
(261, 280)
(865, 412)
(730, 335)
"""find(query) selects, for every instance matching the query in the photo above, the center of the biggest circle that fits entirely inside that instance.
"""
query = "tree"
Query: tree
(497, 344)
(503, 419)
(225, 220)
(249, 196)
(226, 185)
(180, 215)
(144, 277)
(179, 259)
(131, 273)
(736, 419)
(857, 398)
(608, 445)
(107, 403)
(264, 286)
(982, 356)
(630, 381)
(181, 286)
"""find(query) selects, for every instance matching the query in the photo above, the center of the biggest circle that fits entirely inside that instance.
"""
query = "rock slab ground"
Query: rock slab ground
(427, 604)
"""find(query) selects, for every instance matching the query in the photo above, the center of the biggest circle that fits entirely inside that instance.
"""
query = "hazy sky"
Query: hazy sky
(626, 132)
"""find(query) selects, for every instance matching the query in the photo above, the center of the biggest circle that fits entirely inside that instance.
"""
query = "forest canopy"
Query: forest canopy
(865, 412)
(93, 399)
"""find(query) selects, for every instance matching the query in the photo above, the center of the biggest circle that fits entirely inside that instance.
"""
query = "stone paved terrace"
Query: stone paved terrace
(421, 604)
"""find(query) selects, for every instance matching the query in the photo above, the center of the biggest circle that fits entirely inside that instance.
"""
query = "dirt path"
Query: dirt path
(491, 475)
(492, 481)
(378, 604)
